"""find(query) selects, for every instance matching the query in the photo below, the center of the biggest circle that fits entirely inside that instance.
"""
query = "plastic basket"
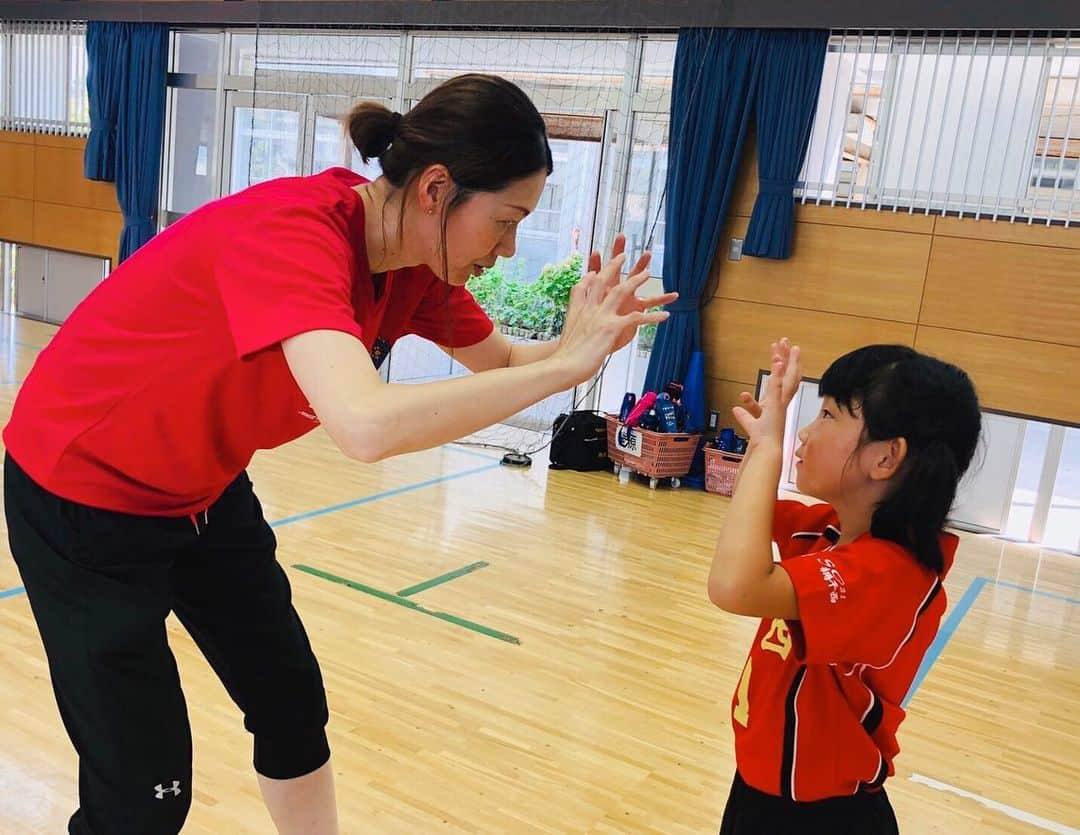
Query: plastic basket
(720, 471)
(654, 454)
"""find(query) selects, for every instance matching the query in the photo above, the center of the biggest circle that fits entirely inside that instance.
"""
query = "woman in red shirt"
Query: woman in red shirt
(242, 327)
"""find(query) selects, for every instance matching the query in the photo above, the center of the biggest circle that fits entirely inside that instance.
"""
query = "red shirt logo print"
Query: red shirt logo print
(833, 579)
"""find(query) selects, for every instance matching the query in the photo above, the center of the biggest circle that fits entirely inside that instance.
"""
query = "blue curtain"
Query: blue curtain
(786, 101)
(716, 74)
(107, 60)
(140, 128)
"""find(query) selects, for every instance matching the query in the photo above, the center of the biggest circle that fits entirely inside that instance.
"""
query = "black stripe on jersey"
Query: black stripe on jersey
(873, 716)
(832, 534)
(787, 764)
(879, 779)
(930, 598)
(814, 535)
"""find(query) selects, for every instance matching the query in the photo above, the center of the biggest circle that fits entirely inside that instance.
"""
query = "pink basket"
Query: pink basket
(655, 454)
(721, 468)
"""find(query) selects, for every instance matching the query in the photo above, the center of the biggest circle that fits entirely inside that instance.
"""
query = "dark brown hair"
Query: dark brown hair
(483, 128)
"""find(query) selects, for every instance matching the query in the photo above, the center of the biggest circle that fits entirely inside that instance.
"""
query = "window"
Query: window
(1055, 174)
(643, 220)
(43, 78)
(7, 281)
(265, 144)
(1062, 528)
(192, 150)
(1057, 144)
(1045, 501)
(319, 63)
(968, 124)
(560, 74)
(643, 224)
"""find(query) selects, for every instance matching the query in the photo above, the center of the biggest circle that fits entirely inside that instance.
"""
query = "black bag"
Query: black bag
(579, 442)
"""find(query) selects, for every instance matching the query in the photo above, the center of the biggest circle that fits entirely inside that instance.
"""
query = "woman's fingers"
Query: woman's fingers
(617, 295)
(642, 263)
(657, 301)
(610, 272)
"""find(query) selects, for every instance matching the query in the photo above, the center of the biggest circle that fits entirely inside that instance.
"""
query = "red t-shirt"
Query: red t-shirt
(163, 383)
(817, 707)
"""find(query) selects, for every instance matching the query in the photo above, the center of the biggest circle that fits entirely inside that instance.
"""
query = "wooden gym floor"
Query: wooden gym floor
(573, 677)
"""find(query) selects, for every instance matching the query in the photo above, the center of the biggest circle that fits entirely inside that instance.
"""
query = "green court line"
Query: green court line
(442, 578)
(409, 604)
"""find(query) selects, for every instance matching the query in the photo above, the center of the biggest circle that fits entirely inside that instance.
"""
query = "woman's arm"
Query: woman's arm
(370, 420)
(496, 351)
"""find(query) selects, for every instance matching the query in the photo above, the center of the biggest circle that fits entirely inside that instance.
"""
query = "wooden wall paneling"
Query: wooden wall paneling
(48, 140)
(1020, 232)
(736, 336)
(722, 395)
(46, 200)
(898, 221)
(78, 229)
(58, 178)
(16, 220)
(1007, 289)
(16, 170)
(861, 272)
(18, 136)
(746, 182)
(1012, 375)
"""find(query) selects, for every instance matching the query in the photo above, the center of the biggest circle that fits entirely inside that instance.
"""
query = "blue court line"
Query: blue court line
(945, 632)
(311, 514)
(397, 491)
(474, 453)
(1039, 592)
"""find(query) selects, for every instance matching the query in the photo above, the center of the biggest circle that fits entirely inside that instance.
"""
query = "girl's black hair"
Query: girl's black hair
(901, 393)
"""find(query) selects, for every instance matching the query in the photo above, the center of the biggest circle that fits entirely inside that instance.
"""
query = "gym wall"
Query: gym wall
(45, 199)
(1000, 299)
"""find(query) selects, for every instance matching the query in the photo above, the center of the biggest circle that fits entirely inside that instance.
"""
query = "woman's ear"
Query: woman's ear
(887, 458)
(433, 188)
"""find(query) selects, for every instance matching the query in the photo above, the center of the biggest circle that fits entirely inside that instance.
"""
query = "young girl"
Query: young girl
(856, 599)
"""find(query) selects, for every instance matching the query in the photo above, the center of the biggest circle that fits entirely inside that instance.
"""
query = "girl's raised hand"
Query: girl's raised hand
(764, 420)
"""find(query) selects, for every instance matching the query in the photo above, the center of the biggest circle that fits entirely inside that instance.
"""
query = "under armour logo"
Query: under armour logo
(160, 790)
(379, 352)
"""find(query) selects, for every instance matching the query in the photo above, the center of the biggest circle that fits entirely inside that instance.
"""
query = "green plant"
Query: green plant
(557, 280)
(487, 287)
(538, 306)
(646, 337)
